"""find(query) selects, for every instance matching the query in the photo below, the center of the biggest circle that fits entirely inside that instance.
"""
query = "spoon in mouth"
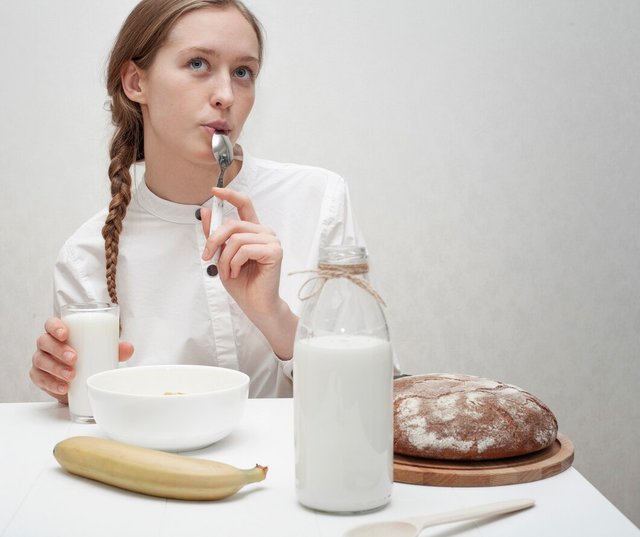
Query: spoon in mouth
(223, 152)
(412, 527)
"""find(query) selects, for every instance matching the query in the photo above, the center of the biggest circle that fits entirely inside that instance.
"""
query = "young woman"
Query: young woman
(180, 71)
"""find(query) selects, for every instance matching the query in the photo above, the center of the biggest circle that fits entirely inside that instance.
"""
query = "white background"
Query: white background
(492, 152)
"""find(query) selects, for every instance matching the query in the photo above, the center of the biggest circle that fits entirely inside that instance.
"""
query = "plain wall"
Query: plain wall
(491, 148)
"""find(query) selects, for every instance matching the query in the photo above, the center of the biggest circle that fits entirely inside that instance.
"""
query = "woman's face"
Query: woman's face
(201, 81)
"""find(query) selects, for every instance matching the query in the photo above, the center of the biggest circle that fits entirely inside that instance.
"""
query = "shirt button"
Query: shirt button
(198, 214)
(212, 270)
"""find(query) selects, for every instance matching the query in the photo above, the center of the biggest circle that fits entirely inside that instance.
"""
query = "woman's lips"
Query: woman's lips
(213, 130)
(219, 126)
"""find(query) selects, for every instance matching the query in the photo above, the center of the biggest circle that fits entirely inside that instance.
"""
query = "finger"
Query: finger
(62, 398)
(56, 328)
(49, 384)
(49, 364)
(221, 235)
(205, 216)
(264, 254)
(237, 241)
(63, 352)
(125, 351)
(242, 202)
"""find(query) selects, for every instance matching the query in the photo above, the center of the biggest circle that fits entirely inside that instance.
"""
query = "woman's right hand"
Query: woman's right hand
(54, 360)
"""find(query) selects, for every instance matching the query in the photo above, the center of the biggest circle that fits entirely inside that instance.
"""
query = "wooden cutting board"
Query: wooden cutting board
(533, 467)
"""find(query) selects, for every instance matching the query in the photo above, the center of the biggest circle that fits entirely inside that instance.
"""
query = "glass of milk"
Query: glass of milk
(94, 332)
(343, 391)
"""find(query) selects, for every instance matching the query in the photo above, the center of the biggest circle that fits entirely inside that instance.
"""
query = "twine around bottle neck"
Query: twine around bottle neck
(327, 271)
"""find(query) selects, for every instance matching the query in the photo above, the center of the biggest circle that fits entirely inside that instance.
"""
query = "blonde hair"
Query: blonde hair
(142, 34)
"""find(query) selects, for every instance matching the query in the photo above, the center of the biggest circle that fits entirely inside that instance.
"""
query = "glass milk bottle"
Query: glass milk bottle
(343, 389)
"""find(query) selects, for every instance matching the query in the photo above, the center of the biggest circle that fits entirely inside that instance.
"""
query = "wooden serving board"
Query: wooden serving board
(509, 471)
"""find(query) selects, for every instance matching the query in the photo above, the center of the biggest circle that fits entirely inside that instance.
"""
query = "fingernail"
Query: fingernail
(62, 388)
(67, 356)
(66, 373)
(206, 254)
(59, 333)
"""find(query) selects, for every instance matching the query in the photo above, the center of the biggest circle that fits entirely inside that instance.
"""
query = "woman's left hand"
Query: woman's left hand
(249, 268)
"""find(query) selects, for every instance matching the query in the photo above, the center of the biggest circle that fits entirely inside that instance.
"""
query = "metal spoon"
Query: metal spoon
(223, 152)
(411, 527)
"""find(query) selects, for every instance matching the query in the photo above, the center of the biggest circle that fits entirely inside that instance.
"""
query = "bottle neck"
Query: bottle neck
(353, 259)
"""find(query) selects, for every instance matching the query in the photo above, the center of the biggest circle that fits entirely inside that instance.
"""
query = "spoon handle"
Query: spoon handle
(216, 222)
(489, 509)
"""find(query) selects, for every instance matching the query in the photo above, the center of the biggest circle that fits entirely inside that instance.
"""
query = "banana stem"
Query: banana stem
(258, 473)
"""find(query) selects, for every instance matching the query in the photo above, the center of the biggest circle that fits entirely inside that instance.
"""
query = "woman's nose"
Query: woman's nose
(222, 93)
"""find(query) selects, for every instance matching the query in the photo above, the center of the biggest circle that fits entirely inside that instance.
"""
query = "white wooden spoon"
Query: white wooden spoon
(411, 527)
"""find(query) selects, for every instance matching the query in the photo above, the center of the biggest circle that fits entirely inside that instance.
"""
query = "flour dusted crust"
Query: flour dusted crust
(461, 417)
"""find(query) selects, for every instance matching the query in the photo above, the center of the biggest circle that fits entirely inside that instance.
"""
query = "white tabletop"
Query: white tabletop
(37, 498)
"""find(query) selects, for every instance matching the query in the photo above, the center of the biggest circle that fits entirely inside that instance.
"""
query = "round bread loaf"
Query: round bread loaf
(461, 417)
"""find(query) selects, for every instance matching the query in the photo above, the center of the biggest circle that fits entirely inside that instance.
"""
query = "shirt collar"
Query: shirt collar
(182, 213)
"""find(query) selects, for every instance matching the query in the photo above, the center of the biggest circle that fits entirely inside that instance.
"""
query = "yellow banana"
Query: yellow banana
(152, 472)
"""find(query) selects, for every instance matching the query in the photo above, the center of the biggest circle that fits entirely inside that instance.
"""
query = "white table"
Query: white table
(37, 498)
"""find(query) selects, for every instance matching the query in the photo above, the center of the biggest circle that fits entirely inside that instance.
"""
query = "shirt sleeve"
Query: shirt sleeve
(340, 227)
(78, 274)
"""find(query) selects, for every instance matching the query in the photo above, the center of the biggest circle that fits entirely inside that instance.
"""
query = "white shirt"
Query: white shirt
(171, 310)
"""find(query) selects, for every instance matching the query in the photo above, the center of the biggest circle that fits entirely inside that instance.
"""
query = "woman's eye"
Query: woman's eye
(198, 64)
(244, 72)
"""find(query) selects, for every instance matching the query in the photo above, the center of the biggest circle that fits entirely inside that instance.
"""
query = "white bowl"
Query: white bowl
(168, 407)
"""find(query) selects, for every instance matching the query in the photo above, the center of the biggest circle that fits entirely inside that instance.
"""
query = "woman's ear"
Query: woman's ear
(132, 78)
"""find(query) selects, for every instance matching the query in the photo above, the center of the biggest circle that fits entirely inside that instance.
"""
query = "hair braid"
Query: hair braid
(125, 150)
(122, 157)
